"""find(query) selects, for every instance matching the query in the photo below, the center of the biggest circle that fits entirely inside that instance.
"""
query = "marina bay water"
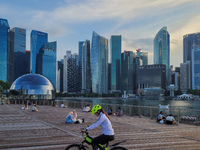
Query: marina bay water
(173, 104)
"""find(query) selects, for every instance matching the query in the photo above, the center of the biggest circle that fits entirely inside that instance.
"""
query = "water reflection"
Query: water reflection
(195, 105)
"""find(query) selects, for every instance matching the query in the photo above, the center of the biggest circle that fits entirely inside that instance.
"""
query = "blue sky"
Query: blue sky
(138, 21)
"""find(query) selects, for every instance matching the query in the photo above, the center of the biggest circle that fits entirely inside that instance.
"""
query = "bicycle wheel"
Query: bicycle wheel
(118, 148)
(76, 147)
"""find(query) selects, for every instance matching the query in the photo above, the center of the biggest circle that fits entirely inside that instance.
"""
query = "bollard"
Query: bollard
(151, 113)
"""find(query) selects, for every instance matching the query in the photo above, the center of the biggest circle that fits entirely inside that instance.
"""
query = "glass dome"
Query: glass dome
(33, 84)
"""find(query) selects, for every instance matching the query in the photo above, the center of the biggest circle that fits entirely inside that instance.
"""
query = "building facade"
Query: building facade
(99, 64)
(18, 43)
(59, 82)
(115, 57)
(86, 68)
(162, 50)
(127, 72)
(151, 76)
(195, 63)
(185, 81)
(143, 57)
(4, 50)
(37, 40)
(71, 73)
(46, 61)
(80, 50)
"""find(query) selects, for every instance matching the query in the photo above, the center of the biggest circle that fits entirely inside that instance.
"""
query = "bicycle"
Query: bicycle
(88, 140)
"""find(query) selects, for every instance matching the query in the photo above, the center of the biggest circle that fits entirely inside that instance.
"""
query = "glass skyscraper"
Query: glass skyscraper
(115, 54)
(4, 29)
(46, 61)
(80, 49)
(19, 47)
(162, 50)
(86, 68)
(143, 57)
(37, 40)
(127, 72)
(195, 61)
(188, 40)
(99, 64)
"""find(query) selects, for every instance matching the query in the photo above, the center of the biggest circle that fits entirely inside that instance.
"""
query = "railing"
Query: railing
(187, 116)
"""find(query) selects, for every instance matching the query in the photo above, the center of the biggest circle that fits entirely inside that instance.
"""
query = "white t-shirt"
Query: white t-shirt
(170, 118)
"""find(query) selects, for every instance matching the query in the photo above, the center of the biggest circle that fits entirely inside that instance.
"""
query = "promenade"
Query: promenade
(46, 129)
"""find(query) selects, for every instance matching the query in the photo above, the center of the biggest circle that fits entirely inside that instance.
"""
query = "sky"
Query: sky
(137, 21)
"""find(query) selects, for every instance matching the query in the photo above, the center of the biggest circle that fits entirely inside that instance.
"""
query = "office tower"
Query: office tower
(80, 49)
(162, 50)
(18, 43)
(127, 72)
(109, 77)
(143, 57)
(175, 77)
(86, 68)
(185, 81)
(46, 61)
(115, 53)
(37, 40)
(71, 72)
(195, 63)
(188, 41)
(151, 76)
(28, 62)
(59, 82)
(4, 50)
(99, 64)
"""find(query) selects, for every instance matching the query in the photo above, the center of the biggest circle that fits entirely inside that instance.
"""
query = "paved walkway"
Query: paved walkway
(46, 129)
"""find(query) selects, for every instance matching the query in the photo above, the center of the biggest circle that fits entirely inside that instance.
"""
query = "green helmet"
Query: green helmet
(95, 109)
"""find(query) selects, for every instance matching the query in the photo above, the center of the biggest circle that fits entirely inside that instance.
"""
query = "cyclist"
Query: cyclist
(105, 123)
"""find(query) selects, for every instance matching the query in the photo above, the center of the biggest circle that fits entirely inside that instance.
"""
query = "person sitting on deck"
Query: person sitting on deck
(72, 118)
(161, 118)
(34, 108)
(87, 108)
(120, 112)
(110, 111)
(170, 119)
(62, 105)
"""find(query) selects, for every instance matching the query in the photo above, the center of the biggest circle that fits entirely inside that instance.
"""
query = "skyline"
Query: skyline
(68, 22)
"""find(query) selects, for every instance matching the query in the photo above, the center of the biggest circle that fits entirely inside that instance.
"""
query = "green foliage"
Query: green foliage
(5, 85)
(195, 92)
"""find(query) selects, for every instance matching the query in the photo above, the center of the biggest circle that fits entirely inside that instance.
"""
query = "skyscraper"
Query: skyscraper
(127, 72)
(4, 29)
(195, 61)
(37, 40)
(59, 82)
(115, 53)
(99, 64)
(46, 61)
(86, 68)
(188, 40)
(19, 47)
(162, 50)
(143, 57)
(80, 49)
(185, 81)
(71, 72)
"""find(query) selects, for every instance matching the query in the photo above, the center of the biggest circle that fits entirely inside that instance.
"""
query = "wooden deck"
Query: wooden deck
(46, 129)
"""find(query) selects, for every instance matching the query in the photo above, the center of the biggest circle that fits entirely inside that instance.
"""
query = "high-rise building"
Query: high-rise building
(162, 50)
(59, 82)
(28, 62)
(195, 63)
(115, 54)
(127, 72)
(80, 49)
(71, 73)
(185, 81)
(143, 57)
(4, 50)
(99, 64)
(46, 61)
(86, 68)
(151, 76)
(188, 41)
(18, 43)
(37, 40)
(175, 77)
